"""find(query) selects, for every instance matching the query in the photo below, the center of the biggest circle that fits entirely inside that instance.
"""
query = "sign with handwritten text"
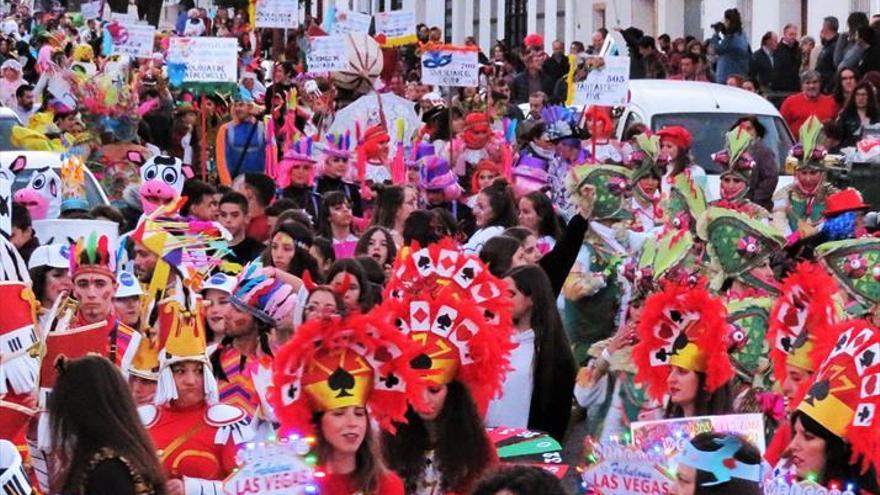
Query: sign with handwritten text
(207, 59)
(277, 13)
(606, 85)
(327, 53)
(450, 67)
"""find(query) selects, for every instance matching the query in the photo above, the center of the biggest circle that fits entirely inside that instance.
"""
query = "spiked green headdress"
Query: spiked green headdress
(855, 263)
(750, 317)
(686, 202)
(737, 243)
(610, 183)
(808, 153)
(735, 157)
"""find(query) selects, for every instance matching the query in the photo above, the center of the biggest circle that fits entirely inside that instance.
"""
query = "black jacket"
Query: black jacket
(786, 68)
(326, 184)
(520, 89)
(762, 69)
(553, 383)
(558, 262)
(825, 63)
(305, 198)
(556, 67)
(764, 177)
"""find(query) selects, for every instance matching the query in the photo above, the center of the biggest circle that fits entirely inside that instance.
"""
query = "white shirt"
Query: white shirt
(512, 408)
(475, 244)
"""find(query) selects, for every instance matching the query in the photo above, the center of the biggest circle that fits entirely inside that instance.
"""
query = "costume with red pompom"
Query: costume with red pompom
(800, 333)
(686, 327)
(359, 361)
(682, 139)
(374, 163)
(477, 142)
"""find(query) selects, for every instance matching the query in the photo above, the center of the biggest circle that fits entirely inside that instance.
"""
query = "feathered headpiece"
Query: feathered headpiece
(682, 326)
(266, 298)
(93, 254)
(300, 152)
(337, 145)
(808, 153)
(448, 302)
(844, 393)
(801, 321)
(735, 157)
(560, 123)
(332, 363)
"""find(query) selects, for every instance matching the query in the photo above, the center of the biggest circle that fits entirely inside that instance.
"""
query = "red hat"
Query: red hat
(843, 201)
(676, 135)
(533, 40)
(376, 133)
(476, 121)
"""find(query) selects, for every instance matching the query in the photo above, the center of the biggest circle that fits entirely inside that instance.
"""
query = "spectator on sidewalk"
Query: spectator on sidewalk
(532, 79)
(808, 53)
(797, 108)
(689, 69)
(653, 62)
(731, 47)
(848, 52)
(825, 65)
(860, 110)
(762, 61)
(787, 61)
(597, 40)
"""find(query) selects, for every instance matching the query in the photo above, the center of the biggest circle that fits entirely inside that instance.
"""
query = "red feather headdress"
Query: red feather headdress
(356, 361)
(685, 326)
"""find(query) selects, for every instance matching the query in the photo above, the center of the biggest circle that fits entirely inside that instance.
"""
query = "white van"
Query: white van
(707, 110)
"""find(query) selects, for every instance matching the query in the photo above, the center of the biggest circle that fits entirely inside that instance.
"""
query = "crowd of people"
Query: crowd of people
(390, 295)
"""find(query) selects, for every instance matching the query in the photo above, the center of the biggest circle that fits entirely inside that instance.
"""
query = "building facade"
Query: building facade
(570, 20)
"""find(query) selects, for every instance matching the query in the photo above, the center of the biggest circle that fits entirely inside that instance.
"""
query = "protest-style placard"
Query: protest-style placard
(206, 59)
(139, 41)
(450, 67)
(91, 10)
(277, 13)
(349, 21)
(398, 26)
(326, 53)
(607, 84)
(625, 470)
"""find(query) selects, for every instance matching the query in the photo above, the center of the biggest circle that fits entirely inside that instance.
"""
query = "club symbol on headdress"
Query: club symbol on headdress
(341, 381)
(867, 359)
(390, 381)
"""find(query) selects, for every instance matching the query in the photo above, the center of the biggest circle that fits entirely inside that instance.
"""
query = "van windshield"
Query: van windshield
(708, 130)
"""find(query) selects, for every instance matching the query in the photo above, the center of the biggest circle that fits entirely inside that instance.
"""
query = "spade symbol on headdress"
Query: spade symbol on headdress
(423, 262)
(675, 316)
(840, 343)
(818, 392)
(800, 340)
(867, 358)
(291, 391)
(467, 273)
(785, 342)
(421, 362)
(444, 321)
(680, 343)
(341, 381)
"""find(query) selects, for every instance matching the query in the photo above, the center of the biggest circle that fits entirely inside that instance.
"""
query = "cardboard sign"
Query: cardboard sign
(626, 470)
(672, 434)
(272, 469)
(348, 21)
(444, 67)
(607, 85)
(207, 59)
(326, 53)
(91, 10)
(277, 13)
(139, 43)
(803, 488)
(398, 26)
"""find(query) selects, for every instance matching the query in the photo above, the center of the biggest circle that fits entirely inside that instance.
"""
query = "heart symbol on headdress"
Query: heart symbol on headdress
(383, 355)
(463, 333)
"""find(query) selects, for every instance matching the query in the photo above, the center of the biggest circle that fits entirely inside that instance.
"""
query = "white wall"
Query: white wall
(713, 11)
(818, 9)
(670, 17)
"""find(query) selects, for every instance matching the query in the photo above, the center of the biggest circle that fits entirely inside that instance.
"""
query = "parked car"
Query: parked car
(42, 159)
(707, 110)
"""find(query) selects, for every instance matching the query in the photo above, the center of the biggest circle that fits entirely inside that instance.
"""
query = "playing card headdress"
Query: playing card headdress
(844, 393)
(735, 157)
(181, 337)
(449, 303)
(358, 361)
(800, 330)
(682, 326)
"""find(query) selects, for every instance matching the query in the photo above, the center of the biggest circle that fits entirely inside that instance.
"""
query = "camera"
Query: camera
(718, 27)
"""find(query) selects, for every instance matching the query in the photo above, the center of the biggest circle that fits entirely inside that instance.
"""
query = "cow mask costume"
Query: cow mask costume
(162, 179)
(42, 195)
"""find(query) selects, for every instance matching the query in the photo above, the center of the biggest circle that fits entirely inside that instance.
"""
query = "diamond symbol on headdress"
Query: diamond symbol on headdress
(447, 263)
(420, 314)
